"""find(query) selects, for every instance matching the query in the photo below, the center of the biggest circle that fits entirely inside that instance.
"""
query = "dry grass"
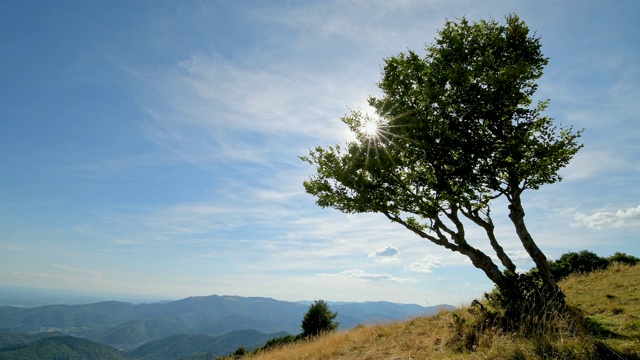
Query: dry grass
(609, 298)
(419, 338)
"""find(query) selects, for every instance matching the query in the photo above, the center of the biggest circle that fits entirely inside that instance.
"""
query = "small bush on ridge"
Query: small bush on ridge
(622, 258)
(583, 262)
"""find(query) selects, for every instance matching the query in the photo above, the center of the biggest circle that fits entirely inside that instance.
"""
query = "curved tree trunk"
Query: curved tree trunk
(483, 262)
(479, 259)
(516, 214)
(489, 228)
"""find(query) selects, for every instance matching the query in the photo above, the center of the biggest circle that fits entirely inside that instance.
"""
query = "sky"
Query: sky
(152, 147)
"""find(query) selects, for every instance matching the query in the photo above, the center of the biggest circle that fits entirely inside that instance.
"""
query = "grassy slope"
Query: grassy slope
(610, 298)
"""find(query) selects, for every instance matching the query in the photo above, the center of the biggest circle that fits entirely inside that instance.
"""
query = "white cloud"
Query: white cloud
(386, 254)
(427, 264)
(604, 219)
(358, 274)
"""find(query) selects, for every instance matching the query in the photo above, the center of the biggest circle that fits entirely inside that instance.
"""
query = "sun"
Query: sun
(370, 128)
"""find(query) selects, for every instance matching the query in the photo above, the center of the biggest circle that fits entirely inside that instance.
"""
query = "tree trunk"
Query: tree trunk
(487, 225)
(479, 259)
(483, 262)
(516, 214)
(504, 258)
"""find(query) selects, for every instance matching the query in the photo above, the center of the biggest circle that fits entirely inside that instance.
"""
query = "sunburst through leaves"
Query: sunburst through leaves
(370, 127)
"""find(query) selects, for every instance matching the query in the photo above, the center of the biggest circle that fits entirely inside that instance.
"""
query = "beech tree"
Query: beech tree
(453, 131)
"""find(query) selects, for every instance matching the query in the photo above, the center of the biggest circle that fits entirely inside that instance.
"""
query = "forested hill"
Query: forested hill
(56, 346)
(61, 347)
(184, 345)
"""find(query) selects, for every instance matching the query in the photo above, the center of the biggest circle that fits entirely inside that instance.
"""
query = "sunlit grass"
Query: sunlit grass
(611, 298)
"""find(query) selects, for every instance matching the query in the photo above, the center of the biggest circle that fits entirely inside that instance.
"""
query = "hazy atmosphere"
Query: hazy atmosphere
(152, 147)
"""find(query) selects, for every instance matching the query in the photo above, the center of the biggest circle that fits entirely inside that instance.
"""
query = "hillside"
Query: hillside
(61, 347)
(14, 339)
(609, 300)
(183, 345)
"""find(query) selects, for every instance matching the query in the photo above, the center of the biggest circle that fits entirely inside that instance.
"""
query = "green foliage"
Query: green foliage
(240, 352)
(622, 258)
(582, 262)
(456, 129)
(181, 345)
(521, 305)
(61, 347)
(16, 339)
(318, 319)
(585, 261)
(278, 342)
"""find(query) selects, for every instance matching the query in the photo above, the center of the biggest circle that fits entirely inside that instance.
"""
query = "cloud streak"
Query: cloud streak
(629, 217)
(358, 274)
(213, 110)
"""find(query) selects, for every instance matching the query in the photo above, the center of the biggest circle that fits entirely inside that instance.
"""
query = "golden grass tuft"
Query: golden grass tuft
(609, 299)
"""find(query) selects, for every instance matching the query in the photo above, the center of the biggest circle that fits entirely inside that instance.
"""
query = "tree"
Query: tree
(319, 319)
(453, 131)
(240, 352)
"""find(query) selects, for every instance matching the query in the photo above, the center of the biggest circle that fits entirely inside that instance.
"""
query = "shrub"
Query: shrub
(278, 342)
(240, 352)
(583, 262)
(522, 305)
(623, 258)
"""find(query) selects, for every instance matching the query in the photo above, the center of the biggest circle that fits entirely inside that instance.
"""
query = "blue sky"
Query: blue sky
(152, 147)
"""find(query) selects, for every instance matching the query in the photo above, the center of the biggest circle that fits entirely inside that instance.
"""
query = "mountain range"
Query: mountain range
(201, 322)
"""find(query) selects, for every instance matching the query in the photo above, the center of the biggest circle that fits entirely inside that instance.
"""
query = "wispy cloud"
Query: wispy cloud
(629, 217)
(358, 274)
(71, 269)
(51, 276)
(427, 264)
(209, 109)
(366, 23)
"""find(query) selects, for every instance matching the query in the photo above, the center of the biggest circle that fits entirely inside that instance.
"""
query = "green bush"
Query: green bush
(583, 262)
(240, 352)
(278, 342)
(622, 258)
(522, 305)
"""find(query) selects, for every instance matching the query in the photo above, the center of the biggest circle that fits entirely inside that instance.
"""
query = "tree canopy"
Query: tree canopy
(453, 130)
(319, 319)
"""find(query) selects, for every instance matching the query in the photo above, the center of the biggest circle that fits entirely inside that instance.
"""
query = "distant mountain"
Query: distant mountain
(183, 345)
(55, 317)
(352, 314)
(61, 347)
(127, 326)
